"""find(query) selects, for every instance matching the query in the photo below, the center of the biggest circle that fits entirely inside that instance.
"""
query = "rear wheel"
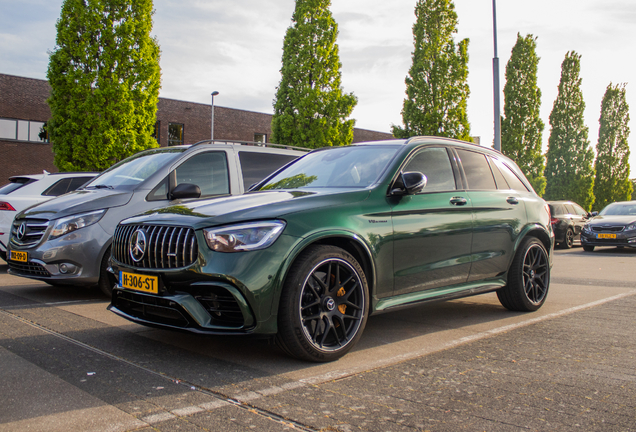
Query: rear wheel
(568, 241)
(528, 278)
(324, 305)
(106, 279)
(588, 248)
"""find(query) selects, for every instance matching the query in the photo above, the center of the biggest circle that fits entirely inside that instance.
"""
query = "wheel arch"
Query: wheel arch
(538, 232)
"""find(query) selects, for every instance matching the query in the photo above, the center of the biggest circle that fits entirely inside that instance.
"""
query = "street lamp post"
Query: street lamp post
(214, 93)
(495, 78)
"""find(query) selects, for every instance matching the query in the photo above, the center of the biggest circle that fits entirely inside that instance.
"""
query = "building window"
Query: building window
(23, 130)
(260, 138)
(175, 134)
(156, 133)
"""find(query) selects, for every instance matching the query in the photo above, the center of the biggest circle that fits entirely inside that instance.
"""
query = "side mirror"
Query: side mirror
(185, 190)
(409, 183)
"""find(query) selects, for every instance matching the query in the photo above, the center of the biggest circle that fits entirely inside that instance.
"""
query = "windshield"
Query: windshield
(132, 171)
(617, 209)
(338, 167)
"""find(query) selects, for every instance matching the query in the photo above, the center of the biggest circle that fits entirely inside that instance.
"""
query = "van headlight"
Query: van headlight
(73, 223)
(243, 237)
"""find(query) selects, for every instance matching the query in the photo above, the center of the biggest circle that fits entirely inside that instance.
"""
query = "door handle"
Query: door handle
(512, 200)
(458, 201)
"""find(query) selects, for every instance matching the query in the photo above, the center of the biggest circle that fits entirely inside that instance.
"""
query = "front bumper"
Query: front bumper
(624, 239)
(73, 259)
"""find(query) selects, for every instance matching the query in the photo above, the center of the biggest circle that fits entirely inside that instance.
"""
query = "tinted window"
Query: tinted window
(256, 166)
(15, 185)
(65, 185)
(579, 210)
(435, 165)
(477, 170)
(511, 177)
(502, 184)
(206, 170)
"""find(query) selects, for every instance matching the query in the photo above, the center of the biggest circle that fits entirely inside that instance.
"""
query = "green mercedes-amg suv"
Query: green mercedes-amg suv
(309, 253)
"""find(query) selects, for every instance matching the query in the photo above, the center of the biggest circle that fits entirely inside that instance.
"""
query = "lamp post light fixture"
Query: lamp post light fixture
(214, 93)
(495, 79)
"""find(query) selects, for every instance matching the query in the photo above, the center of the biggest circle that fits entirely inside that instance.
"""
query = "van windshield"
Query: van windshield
(131, 171)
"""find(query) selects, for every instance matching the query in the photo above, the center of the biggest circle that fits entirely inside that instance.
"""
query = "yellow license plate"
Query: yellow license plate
(18, 256)
(607, 236)
(139, 282)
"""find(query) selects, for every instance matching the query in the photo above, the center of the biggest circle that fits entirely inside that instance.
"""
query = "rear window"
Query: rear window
(15, 185)
(256, 166)
(65, 185)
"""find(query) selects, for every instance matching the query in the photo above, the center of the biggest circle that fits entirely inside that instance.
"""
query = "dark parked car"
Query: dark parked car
(567, 219)
(335, 236)
(615, 225)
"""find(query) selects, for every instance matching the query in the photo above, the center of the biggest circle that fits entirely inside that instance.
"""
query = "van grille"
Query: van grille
(32, 232)
(166, 247)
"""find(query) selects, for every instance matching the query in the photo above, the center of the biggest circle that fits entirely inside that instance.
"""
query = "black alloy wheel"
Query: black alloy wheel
(528, 278)
(324, 305)
(569, 239)
(106, 281)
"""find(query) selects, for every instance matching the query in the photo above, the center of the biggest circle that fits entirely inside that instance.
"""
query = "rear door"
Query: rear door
(498, 215)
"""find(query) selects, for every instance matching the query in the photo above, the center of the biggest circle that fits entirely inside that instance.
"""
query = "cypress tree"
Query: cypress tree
(612, 150)
(436, 86)
(105, 77)
(310, 109)
(521, 127)
(569, 172)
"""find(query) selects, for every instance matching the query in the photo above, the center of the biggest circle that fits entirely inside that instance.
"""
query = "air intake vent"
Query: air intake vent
(155, 247)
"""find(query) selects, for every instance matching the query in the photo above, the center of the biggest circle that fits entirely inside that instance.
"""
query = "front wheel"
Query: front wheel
(528, 278)
(106, 279)
(324, 305)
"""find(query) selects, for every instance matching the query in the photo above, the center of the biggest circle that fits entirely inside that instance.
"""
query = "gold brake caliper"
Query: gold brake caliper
(342, 308)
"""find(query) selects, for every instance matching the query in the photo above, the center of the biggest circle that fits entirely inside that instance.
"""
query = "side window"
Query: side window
(160, 192)
(511, 177)
(58, 188)
(570, 209)
(435, 165)
(477, 170)
(579, 210)
(502, 184)
(255, 166)
(206, 170)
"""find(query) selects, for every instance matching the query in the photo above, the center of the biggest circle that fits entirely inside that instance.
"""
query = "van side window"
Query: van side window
(477, 170)
(208, 171)
(435, 165)
(255, 166)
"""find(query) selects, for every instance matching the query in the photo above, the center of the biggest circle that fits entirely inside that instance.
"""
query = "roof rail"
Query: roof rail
(251, 143)
(423, 138)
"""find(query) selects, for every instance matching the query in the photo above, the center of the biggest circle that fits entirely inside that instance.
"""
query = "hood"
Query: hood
(612, 220)
(252, 206)
(80, 201)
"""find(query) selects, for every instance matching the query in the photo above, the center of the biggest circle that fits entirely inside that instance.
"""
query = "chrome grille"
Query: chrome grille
(34, 230)
(614, 228)
(167, 247)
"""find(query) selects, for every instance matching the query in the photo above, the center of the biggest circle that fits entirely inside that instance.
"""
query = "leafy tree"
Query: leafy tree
(105, 78)
(569, 172)
(521, 128)
(436, 86)
(612, 150)
(633, 189)
(310, 107)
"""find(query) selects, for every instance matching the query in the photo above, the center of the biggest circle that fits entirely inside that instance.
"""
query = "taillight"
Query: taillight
(6, 206)
(554, 221)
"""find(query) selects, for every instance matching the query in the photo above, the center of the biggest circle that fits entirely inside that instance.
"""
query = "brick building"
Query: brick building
(23, 111)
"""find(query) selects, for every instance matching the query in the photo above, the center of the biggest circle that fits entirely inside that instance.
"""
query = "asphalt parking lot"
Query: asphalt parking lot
(469, 364)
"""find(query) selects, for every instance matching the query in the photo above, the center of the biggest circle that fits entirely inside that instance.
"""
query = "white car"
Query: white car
(26, 190)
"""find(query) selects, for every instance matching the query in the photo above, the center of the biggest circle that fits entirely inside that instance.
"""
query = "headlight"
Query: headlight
(586, 227)
(631, 227)
(243, 237)
(75, 222)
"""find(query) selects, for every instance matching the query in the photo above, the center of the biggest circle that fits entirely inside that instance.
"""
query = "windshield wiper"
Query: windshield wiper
(99, 186)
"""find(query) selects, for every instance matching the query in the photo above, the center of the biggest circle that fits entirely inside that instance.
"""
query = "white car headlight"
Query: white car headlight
(243, 237)
(75, 222)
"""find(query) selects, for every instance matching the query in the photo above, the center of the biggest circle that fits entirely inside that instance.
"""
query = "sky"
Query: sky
(235, 47)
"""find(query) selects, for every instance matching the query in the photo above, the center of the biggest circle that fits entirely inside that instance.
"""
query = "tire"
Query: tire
(588, 248)
(568, 239)
(528, 278)
(324, 305)
(106, 279)
(3, 255)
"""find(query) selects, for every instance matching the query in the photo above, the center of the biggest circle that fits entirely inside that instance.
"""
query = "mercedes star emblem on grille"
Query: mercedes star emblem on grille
(22, 231)
(137, 245)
